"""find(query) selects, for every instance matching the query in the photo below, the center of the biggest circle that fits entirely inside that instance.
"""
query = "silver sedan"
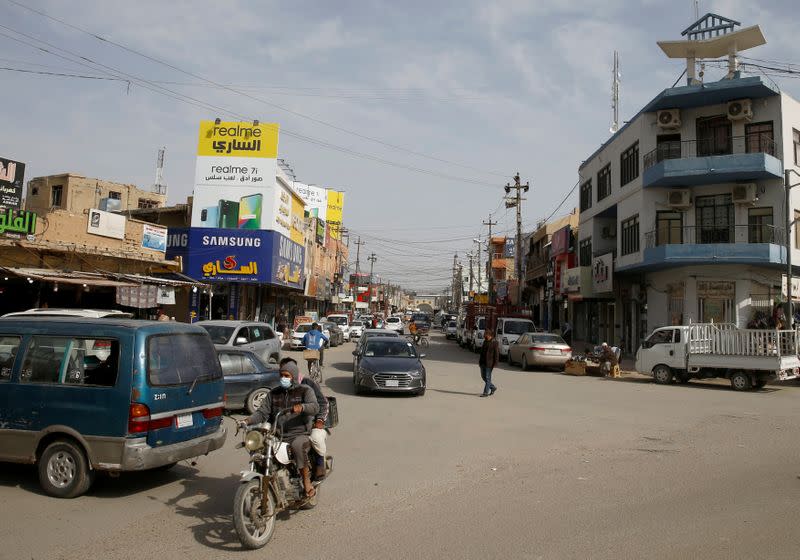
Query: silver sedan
(539, 349)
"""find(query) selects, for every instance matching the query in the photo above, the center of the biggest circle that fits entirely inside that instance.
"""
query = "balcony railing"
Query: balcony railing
(680, 149)
(690, 235)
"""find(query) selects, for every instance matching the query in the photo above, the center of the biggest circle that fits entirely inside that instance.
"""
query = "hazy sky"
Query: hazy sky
(483, 88)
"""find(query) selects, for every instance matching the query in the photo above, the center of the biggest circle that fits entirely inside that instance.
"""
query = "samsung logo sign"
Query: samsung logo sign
(230, 241)
(290, 251)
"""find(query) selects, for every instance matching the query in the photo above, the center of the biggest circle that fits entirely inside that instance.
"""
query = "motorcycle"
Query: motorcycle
(273, 484)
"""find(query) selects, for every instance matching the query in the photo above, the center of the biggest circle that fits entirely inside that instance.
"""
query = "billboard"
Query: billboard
(334, 212)
(257, 256)
(509, 249)
(106, 224)
(235, 185)
(315, 198)
(559, 243)
(154, 237)
(19, 222)
(12, 174)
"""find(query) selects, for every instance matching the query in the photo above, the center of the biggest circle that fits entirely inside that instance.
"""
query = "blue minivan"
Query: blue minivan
(79, 396)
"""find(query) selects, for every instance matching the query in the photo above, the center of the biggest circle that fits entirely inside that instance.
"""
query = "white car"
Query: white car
(343, 321)
(356, 330)
(298, 333)
(394, 324)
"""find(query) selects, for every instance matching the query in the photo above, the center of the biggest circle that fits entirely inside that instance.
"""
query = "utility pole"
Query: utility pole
(372, 258)
(455, 279)
(517, 201)
(471, 256)
(615, 94)
(479, 264)
(354, 289)
(490, 223)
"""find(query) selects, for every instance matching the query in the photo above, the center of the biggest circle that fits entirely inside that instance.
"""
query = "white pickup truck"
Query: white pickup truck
(747, 357)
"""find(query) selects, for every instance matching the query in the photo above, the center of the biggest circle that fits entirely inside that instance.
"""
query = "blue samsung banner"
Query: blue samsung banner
(245, 256)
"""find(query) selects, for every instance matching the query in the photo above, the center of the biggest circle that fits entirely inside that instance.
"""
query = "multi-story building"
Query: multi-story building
(682, 211)
(76, 193)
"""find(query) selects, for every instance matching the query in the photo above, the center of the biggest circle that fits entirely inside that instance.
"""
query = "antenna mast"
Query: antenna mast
(615, 95)
(159, 187)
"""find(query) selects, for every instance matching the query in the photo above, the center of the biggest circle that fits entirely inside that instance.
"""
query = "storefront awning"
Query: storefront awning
(67, 277)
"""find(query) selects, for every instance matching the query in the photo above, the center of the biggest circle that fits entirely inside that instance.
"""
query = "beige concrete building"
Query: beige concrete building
(76, 193)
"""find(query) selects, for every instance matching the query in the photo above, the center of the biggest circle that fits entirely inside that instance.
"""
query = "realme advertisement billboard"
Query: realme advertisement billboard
(334, 212)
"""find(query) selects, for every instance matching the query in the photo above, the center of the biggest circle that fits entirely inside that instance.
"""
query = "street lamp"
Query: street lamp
(789, 222)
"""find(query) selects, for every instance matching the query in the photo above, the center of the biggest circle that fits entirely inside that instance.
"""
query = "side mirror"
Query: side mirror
(272, 362)
(422, 356)
(240, 340)
(355, 352)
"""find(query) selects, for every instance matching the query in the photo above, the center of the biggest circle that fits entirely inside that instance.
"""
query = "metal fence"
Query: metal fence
(689, 235)
(715, 146)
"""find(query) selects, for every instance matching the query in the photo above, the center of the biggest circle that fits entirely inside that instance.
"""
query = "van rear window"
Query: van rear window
(180, 359)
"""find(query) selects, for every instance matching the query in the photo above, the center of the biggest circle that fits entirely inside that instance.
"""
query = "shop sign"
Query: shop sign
(106, 224)
(335, 212)
(602, 273)
(315, 198)
(571, 281)
(795, 287)
(509, 250)
(19, 222)
(154, 237)
(715, 289)
(320, 231)
(258, 256)
(559, 243)
(12, 175)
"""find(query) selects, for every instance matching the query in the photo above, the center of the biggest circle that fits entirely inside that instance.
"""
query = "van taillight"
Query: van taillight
(101, 344)
(212, 412)
(138, 418)
(139, 421)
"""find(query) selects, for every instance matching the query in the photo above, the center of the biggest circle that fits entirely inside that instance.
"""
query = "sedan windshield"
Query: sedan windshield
(390, 348)
(219, 334)
(302, 328)
(517, 327)
(548, 339)
(338, 320)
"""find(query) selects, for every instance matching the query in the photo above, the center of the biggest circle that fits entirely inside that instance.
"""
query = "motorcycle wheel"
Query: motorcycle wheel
(252, 526)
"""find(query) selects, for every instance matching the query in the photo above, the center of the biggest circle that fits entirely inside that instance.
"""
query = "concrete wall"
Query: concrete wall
(81, 193)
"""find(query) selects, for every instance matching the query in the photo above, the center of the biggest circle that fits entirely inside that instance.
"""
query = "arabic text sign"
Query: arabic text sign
(316, 199)
(154, 237)
(334, 213)
(238, 139)
(17, 221)
(12, 175)
(603, 273)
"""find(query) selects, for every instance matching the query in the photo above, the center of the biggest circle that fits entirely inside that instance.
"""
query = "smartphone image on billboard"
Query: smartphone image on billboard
(209, 216)
(228, 214)
(250, 211)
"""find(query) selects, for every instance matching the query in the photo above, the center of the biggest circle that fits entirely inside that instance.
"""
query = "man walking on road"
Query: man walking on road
(489, 356)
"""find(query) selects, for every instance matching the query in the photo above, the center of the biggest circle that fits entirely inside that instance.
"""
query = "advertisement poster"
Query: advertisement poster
(602, 273)
(235, 175)
(12, 175)
(106, 224)
(509, 249)
(320, 233)
(154, 237)
(315, 198)
(334, 213)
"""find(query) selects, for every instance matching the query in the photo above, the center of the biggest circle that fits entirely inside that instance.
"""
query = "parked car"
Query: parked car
(68, 312)
(450, 329)
(509, 329)
(342, 320)
(248, 380)
(334, 332)
(394, 324)
(157, 398)
(539, 349)
(299, 332)
(356, 329)
(390, 364)
(256, 337)
(366, 335)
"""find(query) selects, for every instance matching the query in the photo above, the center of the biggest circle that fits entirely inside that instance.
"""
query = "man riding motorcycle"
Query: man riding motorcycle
(296, 425)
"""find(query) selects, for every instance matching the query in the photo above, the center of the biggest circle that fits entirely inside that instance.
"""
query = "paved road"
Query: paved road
(550, 467)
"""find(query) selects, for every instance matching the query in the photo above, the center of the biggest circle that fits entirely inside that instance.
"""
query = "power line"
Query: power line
(249, 96)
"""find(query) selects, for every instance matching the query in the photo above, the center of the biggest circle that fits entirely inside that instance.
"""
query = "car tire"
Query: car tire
(662, 374)
(524, 363)
(740, 381)
(255, 398)
(64, 471)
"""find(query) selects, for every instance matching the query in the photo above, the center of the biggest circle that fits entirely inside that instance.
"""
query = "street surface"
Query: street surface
(551, 466)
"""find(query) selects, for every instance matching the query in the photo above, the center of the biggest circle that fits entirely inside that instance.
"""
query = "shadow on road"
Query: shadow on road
(475, 394)
(342, 385)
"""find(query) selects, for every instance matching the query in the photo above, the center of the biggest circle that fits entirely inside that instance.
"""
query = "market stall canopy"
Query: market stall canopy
(79, 278)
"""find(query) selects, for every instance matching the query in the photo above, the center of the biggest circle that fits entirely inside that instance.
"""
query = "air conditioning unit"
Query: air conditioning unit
(679, 199)
(669, 119)
(741, 109)
(744, 193)
(608, 232)
(110, 205)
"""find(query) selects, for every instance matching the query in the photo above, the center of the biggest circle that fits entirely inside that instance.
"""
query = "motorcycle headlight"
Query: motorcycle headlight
(254, 440)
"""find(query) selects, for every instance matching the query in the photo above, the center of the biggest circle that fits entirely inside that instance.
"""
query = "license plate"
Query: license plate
(184, 420)
(392, 383)
(551, 351)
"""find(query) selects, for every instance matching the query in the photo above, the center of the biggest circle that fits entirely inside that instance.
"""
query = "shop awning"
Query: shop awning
(79, 278)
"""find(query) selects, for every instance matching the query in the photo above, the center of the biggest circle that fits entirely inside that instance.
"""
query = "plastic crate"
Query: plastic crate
(333, 413)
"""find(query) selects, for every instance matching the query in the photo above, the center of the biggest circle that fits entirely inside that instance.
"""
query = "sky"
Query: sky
(419, 111)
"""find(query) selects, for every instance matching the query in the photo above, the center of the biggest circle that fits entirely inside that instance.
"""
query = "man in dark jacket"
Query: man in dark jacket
(296, 424)
(489, 356)
(319, 435)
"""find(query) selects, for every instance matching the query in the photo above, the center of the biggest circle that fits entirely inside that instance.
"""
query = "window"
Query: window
(714, 219)
(669, 228)
(604, 182)
(236, 364)
(9, 346)
(629, 164)
(586, 195)
(147, 203)
(114, 195)
(56, 194)
(759, 225)
(661, 337)
(523, 340)
(71, 361)
(585, 252)
(630, 235)
(758, 138)
(714, 136)
(256, 334)
(796, 135)
(180, 359)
